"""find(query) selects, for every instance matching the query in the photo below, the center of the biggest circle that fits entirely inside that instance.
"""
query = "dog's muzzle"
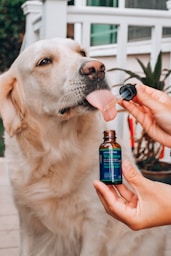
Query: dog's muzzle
(92, 77)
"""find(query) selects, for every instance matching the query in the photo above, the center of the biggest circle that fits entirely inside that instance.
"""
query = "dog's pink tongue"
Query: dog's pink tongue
(100, 99)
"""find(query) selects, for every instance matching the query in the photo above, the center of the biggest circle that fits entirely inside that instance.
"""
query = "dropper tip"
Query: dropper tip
(109, 105)
(127, 92)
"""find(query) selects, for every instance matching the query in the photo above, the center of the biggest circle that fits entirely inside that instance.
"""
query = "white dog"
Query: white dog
(52, 139)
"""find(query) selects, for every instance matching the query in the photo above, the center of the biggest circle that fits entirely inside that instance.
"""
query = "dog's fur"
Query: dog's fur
(52, 139)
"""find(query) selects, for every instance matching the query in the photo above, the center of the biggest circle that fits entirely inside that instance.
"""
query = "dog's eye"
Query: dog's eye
(44, 62)
(83, 53)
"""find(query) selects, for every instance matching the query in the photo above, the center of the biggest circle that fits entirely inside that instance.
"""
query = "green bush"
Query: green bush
(12, 26)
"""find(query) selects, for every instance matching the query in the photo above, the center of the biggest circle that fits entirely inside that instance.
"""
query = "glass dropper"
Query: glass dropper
(126, 92)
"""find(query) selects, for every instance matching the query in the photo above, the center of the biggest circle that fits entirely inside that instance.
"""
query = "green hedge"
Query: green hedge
(12, 27)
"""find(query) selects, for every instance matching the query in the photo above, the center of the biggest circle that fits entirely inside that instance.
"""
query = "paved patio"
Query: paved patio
(9, 226)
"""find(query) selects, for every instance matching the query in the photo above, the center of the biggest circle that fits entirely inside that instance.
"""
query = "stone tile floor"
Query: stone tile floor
(9, 225)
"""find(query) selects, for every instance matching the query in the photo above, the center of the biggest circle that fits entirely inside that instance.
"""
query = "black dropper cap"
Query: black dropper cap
(128, 91)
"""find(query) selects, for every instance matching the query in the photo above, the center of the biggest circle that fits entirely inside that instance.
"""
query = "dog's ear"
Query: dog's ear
(11, 107)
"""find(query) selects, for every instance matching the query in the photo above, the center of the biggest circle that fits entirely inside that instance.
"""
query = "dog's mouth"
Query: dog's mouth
(97, 99)
(100, 99)
(81, 103)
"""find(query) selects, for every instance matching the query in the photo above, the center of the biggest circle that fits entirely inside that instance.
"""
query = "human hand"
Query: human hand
(147, 207)
(152, 109)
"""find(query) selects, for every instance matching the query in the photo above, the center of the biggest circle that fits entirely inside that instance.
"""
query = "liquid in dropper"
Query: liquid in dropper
(126, 92)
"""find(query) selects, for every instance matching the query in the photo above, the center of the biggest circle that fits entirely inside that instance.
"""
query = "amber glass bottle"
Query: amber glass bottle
(110, 159)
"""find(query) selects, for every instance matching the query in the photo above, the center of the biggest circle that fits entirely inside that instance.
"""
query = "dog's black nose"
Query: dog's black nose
(93, 70)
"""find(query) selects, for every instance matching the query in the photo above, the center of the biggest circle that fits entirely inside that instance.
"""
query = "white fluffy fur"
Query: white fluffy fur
(53, 160)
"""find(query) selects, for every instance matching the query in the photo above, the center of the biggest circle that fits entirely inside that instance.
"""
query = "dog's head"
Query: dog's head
(51, 77)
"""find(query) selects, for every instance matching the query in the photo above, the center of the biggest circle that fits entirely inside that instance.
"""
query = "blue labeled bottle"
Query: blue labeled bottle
(110, 157)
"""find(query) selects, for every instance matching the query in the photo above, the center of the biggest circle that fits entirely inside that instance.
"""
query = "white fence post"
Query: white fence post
(54, 19)
(78, 26)
(121, 4)
(168, 4)
(122, 50)
(31, 9)
(156, 43)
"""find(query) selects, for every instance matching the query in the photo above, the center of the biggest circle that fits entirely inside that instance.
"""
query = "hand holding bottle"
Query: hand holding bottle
(146, 206)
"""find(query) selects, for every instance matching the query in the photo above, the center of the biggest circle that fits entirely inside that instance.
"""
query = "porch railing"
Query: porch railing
(50, 18)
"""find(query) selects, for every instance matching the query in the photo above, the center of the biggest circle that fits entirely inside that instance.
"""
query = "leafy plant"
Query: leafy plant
(152, 77)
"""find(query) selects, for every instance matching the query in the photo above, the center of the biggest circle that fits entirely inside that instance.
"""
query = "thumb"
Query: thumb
(132, 175)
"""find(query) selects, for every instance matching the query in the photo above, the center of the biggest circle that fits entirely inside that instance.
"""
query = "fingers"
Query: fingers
(141, 185)
(152, 93)
(116, 205)
(106, 191)
(120, 192)
(149, 97)
(136, 110)
(107, 197)
(130, 197)
(110, 199)
(132, 175)
(110, 195)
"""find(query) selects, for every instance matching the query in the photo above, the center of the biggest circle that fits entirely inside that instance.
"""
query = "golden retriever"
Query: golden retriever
(52, 138)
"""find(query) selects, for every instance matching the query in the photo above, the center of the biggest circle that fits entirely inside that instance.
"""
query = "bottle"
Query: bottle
(110, 159)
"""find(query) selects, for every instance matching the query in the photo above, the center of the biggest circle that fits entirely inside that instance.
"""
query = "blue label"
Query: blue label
(110, 165)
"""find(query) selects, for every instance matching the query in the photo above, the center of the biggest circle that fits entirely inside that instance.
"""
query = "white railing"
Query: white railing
(45, 21)
(123, 18)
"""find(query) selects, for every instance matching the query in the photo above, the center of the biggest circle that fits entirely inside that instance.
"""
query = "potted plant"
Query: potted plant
(146, 151)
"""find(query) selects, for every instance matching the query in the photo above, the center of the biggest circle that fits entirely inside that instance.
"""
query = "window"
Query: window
(103, 33)
(146, 4)
(71, 2)
(139, 33)
(107, 3)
